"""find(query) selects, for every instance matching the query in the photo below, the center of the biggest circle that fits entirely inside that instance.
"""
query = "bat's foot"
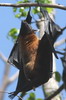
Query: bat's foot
(12, 95)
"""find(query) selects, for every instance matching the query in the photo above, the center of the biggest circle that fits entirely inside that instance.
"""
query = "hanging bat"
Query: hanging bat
(33, 57)
(55, 29)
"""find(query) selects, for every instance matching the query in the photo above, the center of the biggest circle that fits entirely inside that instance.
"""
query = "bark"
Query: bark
(5, 76)
(6, 80)
(58, 6)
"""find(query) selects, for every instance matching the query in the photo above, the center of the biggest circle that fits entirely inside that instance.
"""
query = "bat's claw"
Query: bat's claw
(12, 95)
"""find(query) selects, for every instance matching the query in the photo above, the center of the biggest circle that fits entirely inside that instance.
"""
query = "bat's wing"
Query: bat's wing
(63, 59)
(50, 29)
(23, 85)
(54, 28)
(16, 53)
(14, 57)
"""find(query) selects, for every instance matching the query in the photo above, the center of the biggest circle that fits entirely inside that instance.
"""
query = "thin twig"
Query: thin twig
(34, 4)
(58, 43)
(55, 93)
(13, 78)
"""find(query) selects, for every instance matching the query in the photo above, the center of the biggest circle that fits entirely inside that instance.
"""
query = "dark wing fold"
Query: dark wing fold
(23, 85)
(51, 29)
(14, 56)
(63, 59)
(54, 28)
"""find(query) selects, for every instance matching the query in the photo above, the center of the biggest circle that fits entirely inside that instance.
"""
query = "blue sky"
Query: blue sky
(8, 21)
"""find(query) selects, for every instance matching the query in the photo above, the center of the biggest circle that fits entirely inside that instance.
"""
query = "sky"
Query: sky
(8, 21)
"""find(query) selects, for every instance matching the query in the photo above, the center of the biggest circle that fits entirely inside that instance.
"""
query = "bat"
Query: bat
(33, 58)
(50, 28)
(55, 30)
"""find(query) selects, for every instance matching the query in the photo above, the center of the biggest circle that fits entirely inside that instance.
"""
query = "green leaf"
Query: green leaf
(14, 9)
(39, 99)
(19, 2)
(25, 1)
(21, 9)
(21, 14)
(31, 96)
(49, 10)
(43, 1)
(24, 13)
(18, 15)
(46, 1)
(57, 76)
(36, 10)
(13, 33)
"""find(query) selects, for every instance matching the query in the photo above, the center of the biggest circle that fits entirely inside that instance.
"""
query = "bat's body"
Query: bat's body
(35, 55)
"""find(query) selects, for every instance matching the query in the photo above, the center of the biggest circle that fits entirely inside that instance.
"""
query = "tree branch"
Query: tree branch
(5, 78)
(34, 4)
(13, 78)
(58, 43)
(3, 57)
(55, 93)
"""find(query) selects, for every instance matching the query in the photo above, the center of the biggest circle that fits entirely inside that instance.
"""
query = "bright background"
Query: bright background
(8, 21)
